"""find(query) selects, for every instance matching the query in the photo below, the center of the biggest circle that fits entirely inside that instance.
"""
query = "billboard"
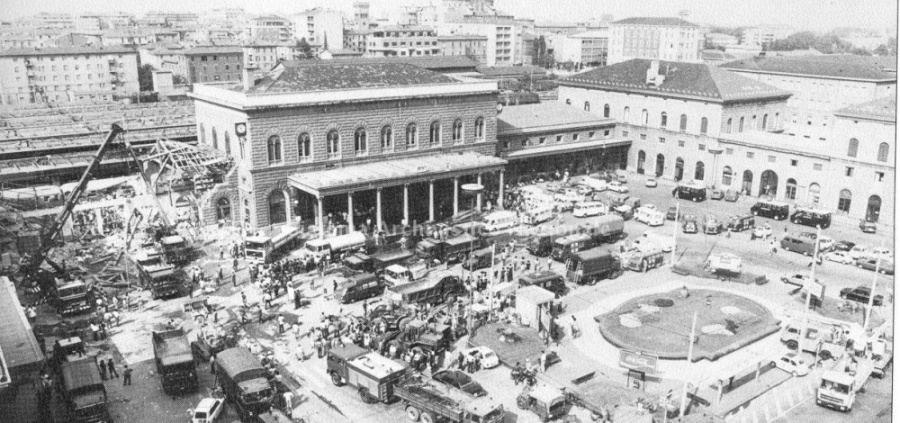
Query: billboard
(636, 361)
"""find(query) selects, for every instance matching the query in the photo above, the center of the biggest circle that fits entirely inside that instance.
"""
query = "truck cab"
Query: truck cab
(741, 222)
(358, 287)
(163, 281)
(373, 375)
(395, 274)
(567, 245)
(546, 279)
(548, 403)
(176, 249)
(540, 245)
(71, 296)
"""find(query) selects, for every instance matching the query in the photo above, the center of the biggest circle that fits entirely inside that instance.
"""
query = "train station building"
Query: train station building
(322, 142)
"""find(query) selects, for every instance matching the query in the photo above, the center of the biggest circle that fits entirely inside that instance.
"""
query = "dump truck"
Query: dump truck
(83, 392)
(431, 291)
(838, 388)
(164, 281)
(265, 249)
(330, 248)
(588, 267)
(455, 249)
(383, 259)
(70, 297)
(244, 381)
(176, 250)
(372, 375)
(174, 361)
(608, 229)
(428, 401)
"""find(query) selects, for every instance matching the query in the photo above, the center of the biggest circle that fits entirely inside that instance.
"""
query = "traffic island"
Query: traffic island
(511, 344)
(660, 324)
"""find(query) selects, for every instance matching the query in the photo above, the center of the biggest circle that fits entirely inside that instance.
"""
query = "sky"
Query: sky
(801, 14)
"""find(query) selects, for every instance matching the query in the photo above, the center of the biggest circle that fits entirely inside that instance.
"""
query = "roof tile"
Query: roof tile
(308, 76)
(832, 66)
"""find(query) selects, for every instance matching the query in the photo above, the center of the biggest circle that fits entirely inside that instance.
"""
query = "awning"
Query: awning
(564, 148)
(395, 172)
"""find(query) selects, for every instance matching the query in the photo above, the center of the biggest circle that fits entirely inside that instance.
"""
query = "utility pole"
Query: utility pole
(689, 357)
(491, 291)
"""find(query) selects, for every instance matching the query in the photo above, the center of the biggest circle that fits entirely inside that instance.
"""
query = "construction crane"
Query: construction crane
(48, 236)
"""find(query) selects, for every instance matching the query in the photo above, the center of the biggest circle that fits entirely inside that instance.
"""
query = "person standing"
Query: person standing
(212, 364)
(111, 368)
(102, 366)
(126, 376)
(280, 323)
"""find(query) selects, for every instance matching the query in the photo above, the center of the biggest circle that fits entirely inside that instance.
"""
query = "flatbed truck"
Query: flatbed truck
(174, 361)
(373, 375)
(427, 401)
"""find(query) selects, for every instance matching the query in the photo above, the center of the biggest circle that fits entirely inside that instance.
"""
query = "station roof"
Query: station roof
(19, 347)
(883, 109)
(827, 66)
(550, 116)
(685, 80)
(653, 21)
(433, 63)
(384, 173)
(309, 76)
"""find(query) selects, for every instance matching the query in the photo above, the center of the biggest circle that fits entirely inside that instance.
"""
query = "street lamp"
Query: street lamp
(472, 190)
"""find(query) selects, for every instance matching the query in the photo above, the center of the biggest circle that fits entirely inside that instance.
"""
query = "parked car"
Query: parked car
(882, 252)
(885, 267)
(861, 294)
(859, 251)
(762, 231)
(844, 246)
(797, 279)
(731, 195)
(651, 183)
(208, 410)
(826, 243)
(689, 225)
(716, 194)
(460, 380)
(867, 226)
(770, 209)
(671, 214)
(617, 186)
(839, 257)
(792, 363)
(488, 358)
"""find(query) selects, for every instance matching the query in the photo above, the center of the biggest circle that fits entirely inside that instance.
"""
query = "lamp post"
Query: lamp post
(471, 190)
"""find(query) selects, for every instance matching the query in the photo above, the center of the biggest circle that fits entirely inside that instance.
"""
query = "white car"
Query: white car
(792, 363)
(651, 183)
(208, 410)
(489, 360)
(617, 187)
(858, 252)
(881, 252)
(762, 231)
(839, 257)
(826, 243)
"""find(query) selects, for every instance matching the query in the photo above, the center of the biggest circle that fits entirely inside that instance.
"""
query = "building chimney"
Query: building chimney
(653, 76)
(248, 78)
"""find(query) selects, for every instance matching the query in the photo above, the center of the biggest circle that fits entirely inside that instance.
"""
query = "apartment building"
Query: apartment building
(589, 48)
(71, 74)
(210, 64)
(504, 37)
(760, 35)
(469, 45)
(402, 41)
(269, 27)
(357, 39)
(319, 27)
(671, 39)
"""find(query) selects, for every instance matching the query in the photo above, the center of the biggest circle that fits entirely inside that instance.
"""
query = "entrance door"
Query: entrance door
(660, 164)
(873, 209)
(768, 184)
(679, 169)
(790, 189)
(747, 182)
(642, 157)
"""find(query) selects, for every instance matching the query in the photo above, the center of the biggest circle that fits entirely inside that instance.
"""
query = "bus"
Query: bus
(263, 249)
(694, 192)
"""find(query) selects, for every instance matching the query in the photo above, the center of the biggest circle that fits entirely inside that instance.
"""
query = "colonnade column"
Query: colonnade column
(321, 218)
(478, 197)
(378, 209)
(500, 196)
(350, 211)
(455, 196)
(406, 204)
(431, 200)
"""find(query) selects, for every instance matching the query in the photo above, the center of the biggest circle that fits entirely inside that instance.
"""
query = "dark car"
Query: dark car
(867, 226)
(731, 195)
(770, 209)
(671, 214)
(461, 381)
(716, 194)
(861, 294)
(886, 267)
(814, 218)
(844, 245)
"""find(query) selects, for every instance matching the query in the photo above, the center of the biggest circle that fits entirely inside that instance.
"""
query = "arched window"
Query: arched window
(227, 143)
(202, 134)
(728, 126)
(663, 120)
(215, 139)
(883, 152)
(457, 131)
(853, 147)
(814, 194)
(434, 133)
(777, 123)
(569, 101)
(682, 124)
(479, 129)
(765, 122)
(387, 137)
(790, 189)
(704, 124)
(727, 175)
(741, 125)
(587, 106)
(844, 201)
(645, 117)
(360, 143)
(873, 208)
(753, 126)
(304, 147)
(412, 135)
(606, 110)
(699, 171)
(277, 207)
(273, 147)
(625, 114)
(333, 144)
(223, 209)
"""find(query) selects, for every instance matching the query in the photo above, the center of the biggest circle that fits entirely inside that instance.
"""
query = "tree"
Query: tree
(179, 80)
(888, 49)
(145, 77)
(305, 49)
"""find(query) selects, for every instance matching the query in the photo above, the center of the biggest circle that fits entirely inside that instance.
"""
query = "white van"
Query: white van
(594, 183)
(537, 215)
(589, 208)
(649, 216)
(498, 221)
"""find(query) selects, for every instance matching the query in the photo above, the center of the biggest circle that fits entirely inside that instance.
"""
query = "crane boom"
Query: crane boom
(49, 235)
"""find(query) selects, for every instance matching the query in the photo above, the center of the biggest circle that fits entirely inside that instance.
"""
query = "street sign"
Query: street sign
(637, 361)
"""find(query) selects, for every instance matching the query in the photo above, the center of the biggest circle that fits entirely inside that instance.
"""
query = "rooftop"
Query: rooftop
(461, 37)
(66, 51)
(378, 365)
(510, 70)
(309, 76)
(403, 28)
(17, 342)
(883, 109)
(215, 50)
(435, 63)
(545, 116)
(655, 22)
(689, 80)
(827, 66)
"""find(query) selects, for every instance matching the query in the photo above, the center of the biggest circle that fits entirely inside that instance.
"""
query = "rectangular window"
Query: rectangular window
(849, 171)
(643, 137)
(606, 133)
(575, 137)
(681, 143)
(879, 176)
(771, 159)
(541, 140)
(591, 135)
(701, 147)
(662, 140)
(793, 162)
(729, 151)
(817, 166)
(749, 154)
(559, 138)
(624, 133)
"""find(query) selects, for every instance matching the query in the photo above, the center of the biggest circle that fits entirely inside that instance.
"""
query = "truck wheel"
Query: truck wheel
(427, 418)
(791, 344)
(365, 396)
(615, 274)
(413, 413)
(336, 380)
